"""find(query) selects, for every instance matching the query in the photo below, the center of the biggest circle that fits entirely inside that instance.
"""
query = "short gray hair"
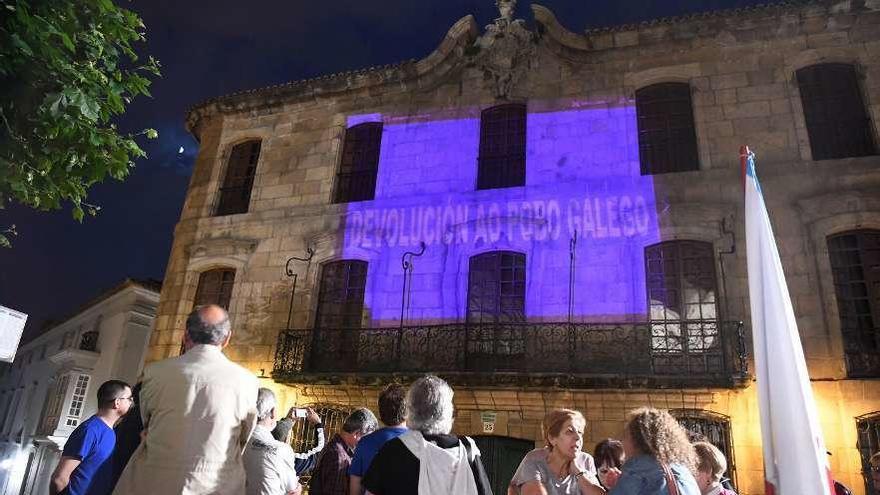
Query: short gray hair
(361, 421)
(429, 406)
(265, 403)
(201, 332)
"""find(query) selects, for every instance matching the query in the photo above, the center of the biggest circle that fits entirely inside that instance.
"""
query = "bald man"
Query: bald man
(199, 410)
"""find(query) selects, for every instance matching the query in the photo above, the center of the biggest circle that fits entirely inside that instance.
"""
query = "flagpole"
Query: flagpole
(795, 461)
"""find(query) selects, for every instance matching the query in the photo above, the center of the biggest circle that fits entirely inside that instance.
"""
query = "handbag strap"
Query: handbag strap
(671, 485)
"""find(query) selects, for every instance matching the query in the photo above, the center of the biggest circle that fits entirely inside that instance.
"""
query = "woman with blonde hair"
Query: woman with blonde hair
(659, 458)
(711, 466)
(561, 467)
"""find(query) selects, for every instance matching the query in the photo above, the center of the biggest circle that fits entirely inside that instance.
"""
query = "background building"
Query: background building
(52, 384)
(549, 218)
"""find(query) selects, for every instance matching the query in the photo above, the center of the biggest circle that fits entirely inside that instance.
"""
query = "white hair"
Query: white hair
(429, 406)
(266, 402)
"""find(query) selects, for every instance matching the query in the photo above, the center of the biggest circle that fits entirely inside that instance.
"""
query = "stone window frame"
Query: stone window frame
(838, 55)
(691, 74)
(221, 163)
(826, 218)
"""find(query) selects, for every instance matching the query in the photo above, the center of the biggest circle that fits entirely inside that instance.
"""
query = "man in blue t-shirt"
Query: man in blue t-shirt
(392, 412)
(86, 465)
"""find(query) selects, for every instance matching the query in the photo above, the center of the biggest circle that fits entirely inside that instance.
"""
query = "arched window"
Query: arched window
(855, 264)
(868, 428)
(706, 426)
(667, 135)
(356, 180)
(681, 285)
(341, 294)
(502, 160)
(235, 194)
(834, 111)
(215, 287)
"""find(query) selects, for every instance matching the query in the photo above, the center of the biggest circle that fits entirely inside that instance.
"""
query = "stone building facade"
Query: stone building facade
(549, 218)
(52, 384)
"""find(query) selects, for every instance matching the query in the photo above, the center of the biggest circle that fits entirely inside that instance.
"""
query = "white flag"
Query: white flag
(795, 459)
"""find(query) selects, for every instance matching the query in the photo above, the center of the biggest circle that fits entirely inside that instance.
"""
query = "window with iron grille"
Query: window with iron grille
(356, 180)
(215, 287)
(502, 160)
(302, 435)
(667, 135)
(855, 264)
(868, 428)
(496, 296)
(682, 290)
(706, 426)
(341, 294)
(235, 194)
(834, 111)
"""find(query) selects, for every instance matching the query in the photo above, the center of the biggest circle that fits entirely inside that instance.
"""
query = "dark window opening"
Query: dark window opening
(356, 180)
(667, 135)
(502, 160)
(834, 111)
(685, 331)
(235, 194)
(341, 294)
(855, 264)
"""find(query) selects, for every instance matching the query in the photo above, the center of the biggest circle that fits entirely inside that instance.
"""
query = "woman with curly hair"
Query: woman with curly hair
(659, 458)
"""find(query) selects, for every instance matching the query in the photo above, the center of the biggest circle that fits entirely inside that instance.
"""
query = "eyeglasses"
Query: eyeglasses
(874, 469)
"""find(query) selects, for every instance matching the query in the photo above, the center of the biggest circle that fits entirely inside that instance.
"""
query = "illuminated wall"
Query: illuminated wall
(582, 178)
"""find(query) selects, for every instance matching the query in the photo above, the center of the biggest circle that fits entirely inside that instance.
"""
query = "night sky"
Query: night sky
(216, 47)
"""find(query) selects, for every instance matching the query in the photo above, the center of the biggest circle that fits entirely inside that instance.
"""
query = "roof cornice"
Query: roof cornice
(450, 50)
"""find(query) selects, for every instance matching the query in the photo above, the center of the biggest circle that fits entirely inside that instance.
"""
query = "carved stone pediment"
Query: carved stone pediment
(221, 246)
(505, 51)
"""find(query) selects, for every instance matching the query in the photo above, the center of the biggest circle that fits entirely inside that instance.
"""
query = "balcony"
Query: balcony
(578, 355)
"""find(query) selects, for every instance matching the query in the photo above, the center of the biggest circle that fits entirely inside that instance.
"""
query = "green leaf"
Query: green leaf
(78, 214)
(151, 133)
(21, 45)
(4, 242)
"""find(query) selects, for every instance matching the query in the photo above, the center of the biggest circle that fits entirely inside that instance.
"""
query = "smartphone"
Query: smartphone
(300, 413)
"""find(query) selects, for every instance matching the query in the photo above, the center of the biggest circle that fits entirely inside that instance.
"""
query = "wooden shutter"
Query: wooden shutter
(667, 136)
(356, 180)
(235, 194)
(834, 111)
(502, 160)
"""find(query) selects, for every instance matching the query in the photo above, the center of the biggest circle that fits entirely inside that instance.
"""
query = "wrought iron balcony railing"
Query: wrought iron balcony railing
(602, 355)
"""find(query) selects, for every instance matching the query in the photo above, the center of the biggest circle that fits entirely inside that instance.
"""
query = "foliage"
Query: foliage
(67, 69)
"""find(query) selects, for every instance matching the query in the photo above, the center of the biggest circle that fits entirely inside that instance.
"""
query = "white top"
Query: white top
(268, 464)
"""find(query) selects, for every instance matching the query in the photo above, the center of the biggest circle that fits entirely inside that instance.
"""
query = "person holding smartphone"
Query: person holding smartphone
(304, 461)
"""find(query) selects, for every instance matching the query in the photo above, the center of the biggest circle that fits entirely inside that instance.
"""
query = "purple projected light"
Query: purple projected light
(582, 175)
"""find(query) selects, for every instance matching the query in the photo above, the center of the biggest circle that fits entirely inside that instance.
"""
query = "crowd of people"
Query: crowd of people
(200, 424)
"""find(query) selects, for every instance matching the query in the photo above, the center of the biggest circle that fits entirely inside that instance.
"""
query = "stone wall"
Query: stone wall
(579, 91)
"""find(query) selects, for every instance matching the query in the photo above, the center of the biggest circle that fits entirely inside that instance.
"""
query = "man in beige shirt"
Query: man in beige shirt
(199, 410)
